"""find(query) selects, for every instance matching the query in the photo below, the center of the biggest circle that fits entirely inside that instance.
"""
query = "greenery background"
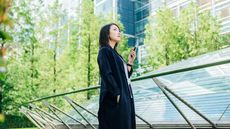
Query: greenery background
(46, 53)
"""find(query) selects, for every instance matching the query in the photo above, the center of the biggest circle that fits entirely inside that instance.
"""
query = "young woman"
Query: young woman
(116, 106)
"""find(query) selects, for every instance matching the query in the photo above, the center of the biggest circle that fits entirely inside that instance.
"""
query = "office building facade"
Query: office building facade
(134, 14)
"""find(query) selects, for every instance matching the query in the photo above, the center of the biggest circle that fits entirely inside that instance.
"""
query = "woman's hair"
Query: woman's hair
(104, 35)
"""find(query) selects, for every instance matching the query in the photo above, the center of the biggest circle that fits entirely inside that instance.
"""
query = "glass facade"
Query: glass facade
(103, 7)
(134, 14)
(206, 89)
(142, 11)
(219, 8)
(126, 12)
(124, 8)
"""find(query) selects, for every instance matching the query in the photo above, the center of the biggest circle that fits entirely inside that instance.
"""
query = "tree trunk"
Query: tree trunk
(88, 66)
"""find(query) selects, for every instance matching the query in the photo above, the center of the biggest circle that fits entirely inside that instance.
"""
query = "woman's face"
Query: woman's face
(114, 33)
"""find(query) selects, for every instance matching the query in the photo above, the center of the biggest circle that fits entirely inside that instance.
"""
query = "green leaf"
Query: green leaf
(5, 35)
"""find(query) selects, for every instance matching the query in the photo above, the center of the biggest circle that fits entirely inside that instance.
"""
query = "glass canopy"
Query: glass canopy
(194, 92)
(206, 89)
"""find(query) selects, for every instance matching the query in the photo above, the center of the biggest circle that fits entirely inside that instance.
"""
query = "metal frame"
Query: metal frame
(45, 113)
(224, 112)
(163, 88)
(25, 112)
(71, 103)
(50, 108)
(181, 70)
(160, 85)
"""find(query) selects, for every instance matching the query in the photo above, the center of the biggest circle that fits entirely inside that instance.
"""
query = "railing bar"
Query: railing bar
(189, 105)
(79, 113)
(173, 103)
(181, 70)
(224, 112)
(47, 104)
(67, 98)
(54, 117)
(41, 125)
(30, 118)
(48, 121)
(138, 78)
(144, 121)
(66, 114)
(62, 94)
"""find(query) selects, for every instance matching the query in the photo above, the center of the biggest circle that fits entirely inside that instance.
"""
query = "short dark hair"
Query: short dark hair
(104, 35)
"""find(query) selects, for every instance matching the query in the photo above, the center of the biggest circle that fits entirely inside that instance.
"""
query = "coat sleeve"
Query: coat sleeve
(104, 61)
(130, 72)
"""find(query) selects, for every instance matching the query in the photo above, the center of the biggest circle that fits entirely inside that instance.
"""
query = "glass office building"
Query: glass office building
(123, 8)
(144, 8)
(134, 14)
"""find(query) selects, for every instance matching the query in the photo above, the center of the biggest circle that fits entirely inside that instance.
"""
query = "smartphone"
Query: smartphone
(134, 50)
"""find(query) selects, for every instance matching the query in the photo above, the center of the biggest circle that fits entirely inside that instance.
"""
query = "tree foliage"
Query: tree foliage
(52, 52)
(173, 38)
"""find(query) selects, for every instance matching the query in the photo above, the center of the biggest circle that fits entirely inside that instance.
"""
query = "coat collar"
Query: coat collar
(118, 55)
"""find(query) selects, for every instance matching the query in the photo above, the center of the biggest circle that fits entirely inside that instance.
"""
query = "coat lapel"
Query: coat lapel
(117, 58)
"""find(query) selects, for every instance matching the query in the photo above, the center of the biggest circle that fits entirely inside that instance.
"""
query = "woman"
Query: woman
(116, 106)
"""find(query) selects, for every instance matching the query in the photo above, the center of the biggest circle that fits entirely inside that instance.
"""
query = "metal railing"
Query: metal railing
(51, 118)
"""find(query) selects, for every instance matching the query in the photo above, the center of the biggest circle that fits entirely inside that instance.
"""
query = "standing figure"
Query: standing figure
(116, 104)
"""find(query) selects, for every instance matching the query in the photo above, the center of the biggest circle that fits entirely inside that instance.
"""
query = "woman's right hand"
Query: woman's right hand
(132, 56)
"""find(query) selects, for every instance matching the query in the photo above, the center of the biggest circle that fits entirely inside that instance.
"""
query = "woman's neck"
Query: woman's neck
(112, 43)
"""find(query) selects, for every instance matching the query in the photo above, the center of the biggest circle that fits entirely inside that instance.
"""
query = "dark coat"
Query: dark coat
(113, 115)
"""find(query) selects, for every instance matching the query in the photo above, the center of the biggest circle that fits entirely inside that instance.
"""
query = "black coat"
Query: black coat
(113, 115)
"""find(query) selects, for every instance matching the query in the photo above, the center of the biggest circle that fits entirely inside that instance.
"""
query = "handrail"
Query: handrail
(62, 94)
(138, 78)
(182, 70)
(146, 76)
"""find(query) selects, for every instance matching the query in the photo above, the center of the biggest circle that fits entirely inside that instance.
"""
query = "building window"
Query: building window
(224, 12)
(203, 2)
(141, 14)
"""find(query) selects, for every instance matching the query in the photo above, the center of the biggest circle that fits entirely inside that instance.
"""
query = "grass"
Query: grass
(23, 128)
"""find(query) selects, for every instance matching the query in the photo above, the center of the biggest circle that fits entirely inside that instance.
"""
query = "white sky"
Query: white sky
(67, 4)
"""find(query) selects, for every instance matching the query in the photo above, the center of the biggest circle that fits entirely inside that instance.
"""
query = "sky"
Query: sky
(67, 4)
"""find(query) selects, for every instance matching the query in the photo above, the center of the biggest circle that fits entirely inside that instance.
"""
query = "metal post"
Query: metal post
(173, 103)
(144, 121)
(23, 110)
(224, 112)
(39, 118)
(47, 104)
(67, 114)
(190, 106)
(70, 102)
(50, 123)
(46, 113)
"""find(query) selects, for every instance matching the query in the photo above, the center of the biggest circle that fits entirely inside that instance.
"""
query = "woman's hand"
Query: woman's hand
(132, 56)
(118, 98)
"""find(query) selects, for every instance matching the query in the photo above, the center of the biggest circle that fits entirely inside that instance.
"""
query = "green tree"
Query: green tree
(173, 38)
(88, 47)
(4, 39)
(21, 70)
